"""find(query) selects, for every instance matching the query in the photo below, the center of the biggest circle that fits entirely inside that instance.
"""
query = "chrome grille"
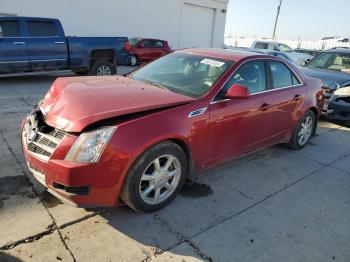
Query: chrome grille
(44, 144)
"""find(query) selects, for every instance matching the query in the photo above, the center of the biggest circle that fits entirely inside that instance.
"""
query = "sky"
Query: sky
(309, 19)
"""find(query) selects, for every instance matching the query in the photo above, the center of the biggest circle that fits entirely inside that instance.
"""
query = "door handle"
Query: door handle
(264, 106)
(58, 43)
(297, 97)
(19, 43)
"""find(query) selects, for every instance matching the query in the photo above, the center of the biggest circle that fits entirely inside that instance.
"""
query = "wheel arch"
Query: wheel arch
(191, 164)
(314, 110)
(179, 141)
(103, 54)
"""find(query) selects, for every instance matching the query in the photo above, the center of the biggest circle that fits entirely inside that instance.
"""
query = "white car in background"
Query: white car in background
(298, 58)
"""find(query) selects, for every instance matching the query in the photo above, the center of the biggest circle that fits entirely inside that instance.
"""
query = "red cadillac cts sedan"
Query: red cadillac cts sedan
(101, 141)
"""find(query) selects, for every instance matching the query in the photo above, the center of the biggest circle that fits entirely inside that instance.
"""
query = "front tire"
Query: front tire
(155, 178)
(102, 68)
(303, 131)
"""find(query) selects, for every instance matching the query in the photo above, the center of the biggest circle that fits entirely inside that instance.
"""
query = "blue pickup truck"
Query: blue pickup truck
(30, 45)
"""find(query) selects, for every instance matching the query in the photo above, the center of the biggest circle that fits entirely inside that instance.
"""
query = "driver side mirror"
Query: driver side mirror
(306, 62)
(237, 91)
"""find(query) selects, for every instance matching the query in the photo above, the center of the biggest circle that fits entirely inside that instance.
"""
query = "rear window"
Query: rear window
(42, 29)
(261, 45)
(10, 29)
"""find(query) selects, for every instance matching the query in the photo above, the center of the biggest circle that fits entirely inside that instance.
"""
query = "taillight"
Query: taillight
(127, 46)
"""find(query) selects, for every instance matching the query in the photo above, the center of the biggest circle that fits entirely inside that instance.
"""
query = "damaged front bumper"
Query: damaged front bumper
(338, 106)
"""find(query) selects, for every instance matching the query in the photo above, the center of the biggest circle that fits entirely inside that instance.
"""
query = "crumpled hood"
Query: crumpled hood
(298, 57)
(341, 78)
(72, 103)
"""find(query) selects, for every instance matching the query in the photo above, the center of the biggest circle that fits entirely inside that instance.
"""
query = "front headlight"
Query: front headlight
(343, 91)
(89, 146)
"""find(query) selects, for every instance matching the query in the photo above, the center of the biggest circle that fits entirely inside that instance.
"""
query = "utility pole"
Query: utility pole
(274, 28)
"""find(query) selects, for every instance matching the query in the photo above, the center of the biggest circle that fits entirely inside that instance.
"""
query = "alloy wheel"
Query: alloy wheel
(103, 70)
(133, 60)
(305, 130)
(160, 179)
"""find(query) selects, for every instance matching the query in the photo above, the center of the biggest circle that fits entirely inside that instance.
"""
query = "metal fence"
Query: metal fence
(317, 45)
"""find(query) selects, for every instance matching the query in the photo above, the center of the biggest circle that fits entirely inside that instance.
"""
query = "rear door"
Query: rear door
(159, 48)
(146, 50)
(46, 45)
(13, 51)
(237, 125)
(285, 95)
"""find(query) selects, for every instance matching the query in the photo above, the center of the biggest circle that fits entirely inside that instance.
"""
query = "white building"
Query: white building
(184, 23)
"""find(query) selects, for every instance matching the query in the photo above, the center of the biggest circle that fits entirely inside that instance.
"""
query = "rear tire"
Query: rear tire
(132, 60)
(303, 131)
(102, 67)
(155, 178)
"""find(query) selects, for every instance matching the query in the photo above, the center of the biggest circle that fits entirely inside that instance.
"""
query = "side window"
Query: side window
(159, 44)
(281, 75)
(251, 75)
(10, 28)
(146, 43)
(42, 29)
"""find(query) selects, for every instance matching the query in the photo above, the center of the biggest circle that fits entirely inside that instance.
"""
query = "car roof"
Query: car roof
(227, 54)
(14, 17)
(339, 49)
(143, 38)
(267, 41)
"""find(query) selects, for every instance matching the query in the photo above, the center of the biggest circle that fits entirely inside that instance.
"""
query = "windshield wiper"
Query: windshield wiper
(154, 83)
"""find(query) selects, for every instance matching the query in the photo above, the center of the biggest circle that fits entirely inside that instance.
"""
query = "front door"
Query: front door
(236, 125)
(13, 50)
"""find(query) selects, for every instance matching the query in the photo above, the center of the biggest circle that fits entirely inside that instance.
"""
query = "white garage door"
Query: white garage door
(197, 26)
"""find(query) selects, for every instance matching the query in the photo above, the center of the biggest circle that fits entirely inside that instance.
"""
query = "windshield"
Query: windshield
(332, 61)
(188, 74)
(285, 48)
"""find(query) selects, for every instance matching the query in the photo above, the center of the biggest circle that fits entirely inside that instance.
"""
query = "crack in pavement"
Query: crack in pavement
(53, 226)
(182, 239)
(50, 229)
(20, 96)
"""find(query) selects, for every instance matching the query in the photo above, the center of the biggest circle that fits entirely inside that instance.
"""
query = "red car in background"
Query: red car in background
(143, 50)
(100, 141)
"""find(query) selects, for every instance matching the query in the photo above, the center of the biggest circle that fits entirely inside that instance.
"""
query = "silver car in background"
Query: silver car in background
(298, 58)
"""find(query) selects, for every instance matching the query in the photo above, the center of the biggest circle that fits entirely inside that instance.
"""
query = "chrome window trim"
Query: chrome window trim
(265, 91)
(10, 62)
